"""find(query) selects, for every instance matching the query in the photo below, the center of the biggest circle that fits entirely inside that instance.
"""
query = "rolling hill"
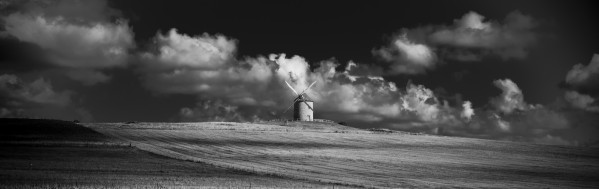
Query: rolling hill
(353, 157)
(61, 154)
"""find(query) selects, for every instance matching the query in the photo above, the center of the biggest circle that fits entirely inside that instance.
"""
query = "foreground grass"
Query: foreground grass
(362, 158)
(119, 167)
(66, 155)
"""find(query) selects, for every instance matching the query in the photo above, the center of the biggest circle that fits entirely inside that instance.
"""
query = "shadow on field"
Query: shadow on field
(46, 130)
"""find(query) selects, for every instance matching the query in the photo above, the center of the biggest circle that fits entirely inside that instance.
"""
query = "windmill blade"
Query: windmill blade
(296, 99)
(307, 88)
(291, 88)
(288, 108)
(308, 105)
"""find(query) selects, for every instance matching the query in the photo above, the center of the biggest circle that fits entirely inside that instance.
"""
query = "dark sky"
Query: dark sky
(350, 30)
(53, 67)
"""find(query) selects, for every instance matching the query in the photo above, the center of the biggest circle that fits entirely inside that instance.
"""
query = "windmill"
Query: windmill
(303, 107)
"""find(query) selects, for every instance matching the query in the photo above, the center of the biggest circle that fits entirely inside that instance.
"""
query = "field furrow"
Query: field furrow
(363, 158)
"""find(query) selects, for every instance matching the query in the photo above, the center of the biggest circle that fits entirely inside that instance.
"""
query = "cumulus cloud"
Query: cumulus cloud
(469, 38)
(507, 40)
(511, 97)
(206, 66)
(581, 101)
(518, 120)
(184, 64)
(421, 101)
(74, 34)
(253, 88)
(201, 52)
(473, 20)
(80, 46)
(581, 86)
(467, 111)
(511, 118)
(502, 125)
(201, 65)
(37, 98)
(407, 57)
(375, 101)
(584, 77)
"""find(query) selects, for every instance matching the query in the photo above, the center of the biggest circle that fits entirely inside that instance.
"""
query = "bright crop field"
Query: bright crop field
(363, 158)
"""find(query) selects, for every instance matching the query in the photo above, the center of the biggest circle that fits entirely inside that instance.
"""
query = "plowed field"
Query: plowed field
(364, 158)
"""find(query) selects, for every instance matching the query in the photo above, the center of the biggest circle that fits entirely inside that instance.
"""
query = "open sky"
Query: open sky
(506, 70)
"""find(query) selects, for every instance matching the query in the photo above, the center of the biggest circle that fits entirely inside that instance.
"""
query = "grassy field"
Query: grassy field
(338, 154)
(60, 154)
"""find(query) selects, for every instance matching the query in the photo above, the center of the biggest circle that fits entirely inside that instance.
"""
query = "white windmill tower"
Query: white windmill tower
(303, 108)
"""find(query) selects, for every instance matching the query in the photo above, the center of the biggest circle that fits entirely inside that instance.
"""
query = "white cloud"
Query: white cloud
(467, 111)
(507, 40)
(73, 35)
(511, 118)
(502, 125)
(422, 101)
(236, 83)
(511, 97)
(360, 97)
(581, 101)
(92, 45)
(417, 53)
(407, 57)
(526, 126)
(294, 69)
(199, 52)
(253, 88)
(205, 65)
(584, 76)
(473, 20)
(259, 83)
(469, 38)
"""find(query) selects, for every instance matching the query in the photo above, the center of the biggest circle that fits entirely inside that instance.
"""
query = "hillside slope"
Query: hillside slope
(364, 158)
(62, 154)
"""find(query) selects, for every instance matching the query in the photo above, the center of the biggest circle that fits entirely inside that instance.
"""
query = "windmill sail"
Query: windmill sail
(296, 99)
(307, 88)
(291, 88)
(308, 105)
(303, 109)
